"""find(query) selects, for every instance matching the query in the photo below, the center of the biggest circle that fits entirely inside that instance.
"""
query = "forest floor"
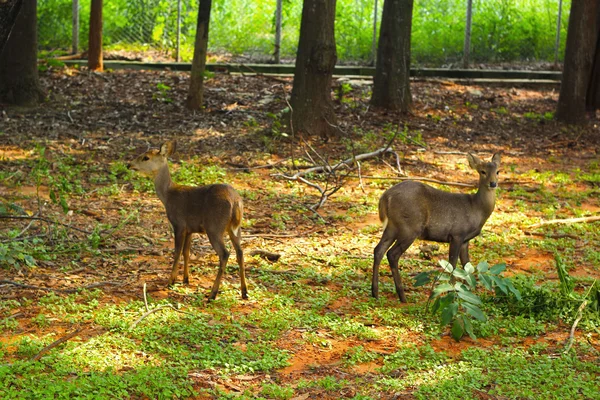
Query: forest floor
(85, 246)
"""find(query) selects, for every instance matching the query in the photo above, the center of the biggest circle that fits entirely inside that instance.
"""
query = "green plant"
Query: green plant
(454, 295)
(162, 93)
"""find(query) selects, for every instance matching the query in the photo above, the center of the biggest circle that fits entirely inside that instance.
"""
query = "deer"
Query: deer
(212, 209)
(412, 210)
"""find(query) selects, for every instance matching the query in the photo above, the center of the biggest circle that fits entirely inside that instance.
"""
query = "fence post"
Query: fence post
(177, 50)
(75, 31)
(374, 42)
(557, 43)
(467, 47)
(278, 12)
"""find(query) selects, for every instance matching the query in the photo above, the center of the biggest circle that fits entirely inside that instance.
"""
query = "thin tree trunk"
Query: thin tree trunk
(391, 84)
(95, 62)
(9, 9)
(312, 107)
(19, 81)
(278, 16)
(467, 46)
(581, 42)
(195, 97)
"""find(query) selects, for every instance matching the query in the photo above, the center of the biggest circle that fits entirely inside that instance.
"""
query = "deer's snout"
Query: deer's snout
(493, 184)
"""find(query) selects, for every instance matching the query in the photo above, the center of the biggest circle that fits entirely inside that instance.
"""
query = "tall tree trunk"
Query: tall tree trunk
(581, 42)
(312, 107)
(95, 62)
(391, 87)
(19, 81)
(592, 101)
(9, 9)
(195, 96)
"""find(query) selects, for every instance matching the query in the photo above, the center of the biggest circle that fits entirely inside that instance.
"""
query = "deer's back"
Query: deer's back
(203, 207)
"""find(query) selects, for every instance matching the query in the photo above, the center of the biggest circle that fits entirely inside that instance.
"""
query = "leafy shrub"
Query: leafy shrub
(454, 297)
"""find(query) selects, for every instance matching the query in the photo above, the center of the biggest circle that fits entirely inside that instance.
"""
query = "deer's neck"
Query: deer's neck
(485, 198)
(162, 183)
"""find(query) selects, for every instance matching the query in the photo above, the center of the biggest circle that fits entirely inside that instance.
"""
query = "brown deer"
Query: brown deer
(212, 209)
(412, 210)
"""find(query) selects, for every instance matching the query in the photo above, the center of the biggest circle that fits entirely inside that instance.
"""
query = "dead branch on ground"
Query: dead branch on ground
(333, 180)
(592, 218)
(572, 333)
(90, 286)
(54, 344)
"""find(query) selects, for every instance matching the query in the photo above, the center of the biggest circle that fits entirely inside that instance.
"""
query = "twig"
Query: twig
(291, 127)
(593, 218)
(146, 298)
(54, 344)
(140, 319)
(360, 181)
(572, 334)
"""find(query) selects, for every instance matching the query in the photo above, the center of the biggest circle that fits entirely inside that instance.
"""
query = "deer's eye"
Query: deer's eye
(482, 173)
(146, 158)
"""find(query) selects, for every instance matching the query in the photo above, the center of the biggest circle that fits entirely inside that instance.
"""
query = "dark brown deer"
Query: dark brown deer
(412, 210)
(212, 209)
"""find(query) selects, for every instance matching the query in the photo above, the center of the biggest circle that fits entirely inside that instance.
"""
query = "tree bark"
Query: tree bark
(391, 87)
(19, 81)
(9, 9)
(195, 97)
(581, 42)
(592, 101)
(312, 106)
(95, 62)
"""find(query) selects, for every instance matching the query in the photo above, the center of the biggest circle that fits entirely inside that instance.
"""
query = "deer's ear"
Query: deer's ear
(496, 159)
(474, 161)
(167, 148)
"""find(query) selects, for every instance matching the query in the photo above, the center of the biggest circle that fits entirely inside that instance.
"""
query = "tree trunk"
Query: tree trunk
(391, 87)
(312, 107)
(19, 81)
(9, 9)
(195, 96)
(95, 45)
(581, 42)
(592, 101)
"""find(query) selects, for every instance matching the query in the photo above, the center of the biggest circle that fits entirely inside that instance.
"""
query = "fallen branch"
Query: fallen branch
(345, 163)
(27, 217)
(54, 344)
(27, 286)
(267, 255)
(413, 178)
(593, 218)
(572, 334)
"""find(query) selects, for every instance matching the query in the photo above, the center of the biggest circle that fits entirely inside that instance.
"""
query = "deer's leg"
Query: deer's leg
(239, 255)
(186, 258)
(216, 241)
(389, 235)
(464, 254)
(179, 239)
(455, 250)
(393, 255)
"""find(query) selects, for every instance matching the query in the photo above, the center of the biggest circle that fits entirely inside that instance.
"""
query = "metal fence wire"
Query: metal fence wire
(525, 32)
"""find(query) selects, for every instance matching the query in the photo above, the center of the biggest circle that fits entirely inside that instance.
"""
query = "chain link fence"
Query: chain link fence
(516, 32)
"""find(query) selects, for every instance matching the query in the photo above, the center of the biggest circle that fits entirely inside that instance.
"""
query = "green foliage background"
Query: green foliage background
(503, 30)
